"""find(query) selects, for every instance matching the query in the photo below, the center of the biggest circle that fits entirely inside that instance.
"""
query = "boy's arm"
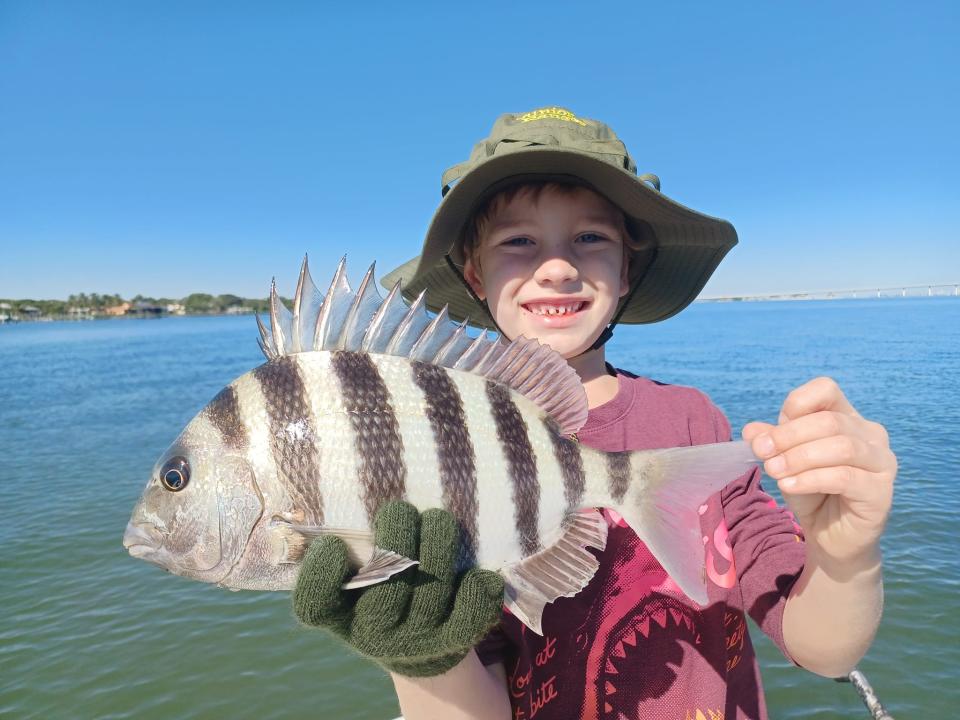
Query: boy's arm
(836, 471)
(833, 612)
(468, 691)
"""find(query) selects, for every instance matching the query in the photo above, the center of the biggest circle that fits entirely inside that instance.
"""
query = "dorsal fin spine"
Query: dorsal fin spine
(487, 360)
(354, 314)
(449, 347)
(362, 321)
(263, 348)
(403, 329)
(420, 349)
(265, 340)
(324, 318)
(372, 336)
(277, 318)
(468, 360)
(297, 307)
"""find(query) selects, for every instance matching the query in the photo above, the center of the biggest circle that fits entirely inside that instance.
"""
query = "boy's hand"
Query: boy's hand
(835, 469)
(420, 622)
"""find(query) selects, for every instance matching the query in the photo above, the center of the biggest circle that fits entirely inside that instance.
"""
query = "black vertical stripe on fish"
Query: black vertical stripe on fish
(618, 474)
(458, 471)
(512, 433)
(376, 433)
(293, 437)
(223, 412)
(567, 453)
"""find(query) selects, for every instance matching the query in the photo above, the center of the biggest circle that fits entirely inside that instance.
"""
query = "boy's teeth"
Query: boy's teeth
(544, 309)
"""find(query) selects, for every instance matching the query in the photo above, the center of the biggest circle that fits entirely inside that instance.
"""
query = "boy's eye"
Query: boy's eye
(517, 242)
(591, 238)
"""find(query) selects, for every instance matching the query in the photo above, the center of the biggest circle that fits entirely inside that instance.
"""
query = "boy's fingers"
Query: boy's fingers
(439, 544)
(477, 607)
(821, 393)
(317, 596)
(823, 424)
(381, 606)
(834, 451)
(854, 484)
(396, 527)
(753, 429)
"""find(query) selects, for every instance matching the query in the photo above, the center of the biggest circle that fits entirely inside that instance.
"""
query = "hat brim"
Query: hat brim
(690, 245)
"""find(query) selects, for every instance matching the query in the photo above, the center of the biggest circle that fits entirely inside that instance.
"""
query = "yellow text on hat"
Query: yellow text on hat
(552, 113)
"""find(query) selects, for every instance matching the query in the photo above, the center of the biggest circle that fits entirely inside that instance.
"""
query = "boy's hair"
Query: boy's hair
(635, 238)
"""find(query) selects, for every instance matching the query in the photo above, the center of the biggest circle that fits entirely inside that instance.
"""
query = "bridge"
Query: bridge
(948, 290)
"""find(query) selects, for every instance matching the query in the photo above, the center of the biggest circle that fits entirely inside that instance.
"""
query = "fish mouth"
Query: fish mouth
(142, 540)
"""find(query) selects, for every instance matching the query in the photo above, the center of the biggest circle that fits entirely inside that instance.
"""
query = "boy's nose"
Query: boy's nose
(556, 271)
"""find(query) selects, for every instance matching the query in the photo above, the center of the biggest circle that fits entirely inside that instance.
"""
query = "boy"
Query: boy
(550, 233)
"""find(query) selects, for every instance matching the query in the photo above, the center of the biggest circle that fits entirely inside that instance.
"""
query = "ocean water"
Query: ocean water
(86, 408)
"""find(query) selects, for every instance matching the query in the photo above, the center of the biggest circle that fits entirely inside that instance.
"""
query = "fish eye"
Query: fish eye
(175, 474)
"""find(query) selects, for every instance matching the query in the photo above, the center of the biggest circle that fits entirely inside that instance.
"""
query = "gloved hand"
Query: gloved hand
(420, 622)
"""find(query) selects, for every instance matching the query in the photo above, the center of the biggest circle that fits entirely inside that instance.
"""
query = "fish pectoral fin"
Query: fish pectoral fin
(561, 570)
(383, 565)
(375, 564)
(297, 538)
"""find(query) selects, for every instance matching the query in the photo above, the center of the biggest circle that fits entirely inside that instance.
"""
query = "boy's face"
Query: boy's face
(552, 268)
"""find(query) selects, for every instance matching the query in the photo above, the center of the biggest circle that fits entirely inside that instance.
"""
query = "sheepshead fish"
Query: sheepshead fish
(365, 399)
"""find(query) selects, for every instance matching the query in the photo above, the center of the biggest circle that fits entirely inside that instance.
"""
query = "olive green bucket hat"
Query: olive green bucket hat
(684, 247)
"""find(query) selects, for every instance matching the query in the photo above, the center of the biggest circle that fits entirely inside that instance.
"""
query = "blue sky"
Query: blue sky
(177, 147)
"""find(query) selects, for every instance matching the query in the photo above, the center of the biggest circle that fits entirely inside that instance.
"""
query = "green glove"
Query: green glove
(420, 622)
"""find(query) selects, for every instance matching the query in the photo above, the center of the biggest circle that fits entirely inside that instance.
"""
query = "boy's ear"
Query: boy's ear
(473, 279)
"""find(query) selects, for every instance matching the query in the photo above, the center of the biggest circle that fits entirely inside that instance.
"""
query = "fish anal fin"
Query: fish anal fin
(561, 570)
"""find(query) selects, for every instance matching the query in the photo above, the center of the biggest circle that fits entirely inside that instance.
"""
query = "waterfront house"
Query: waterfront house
(117, 310)
(143, 308)
(80, 313)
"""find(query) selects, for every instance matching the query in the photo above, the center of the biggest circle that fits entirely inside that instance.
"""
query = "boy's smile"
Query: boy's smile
(551, 266)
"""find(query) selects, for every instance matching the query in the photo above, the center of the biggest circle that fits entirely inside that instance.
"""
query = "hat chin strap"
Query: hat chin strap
(481, 303)
(605, 334)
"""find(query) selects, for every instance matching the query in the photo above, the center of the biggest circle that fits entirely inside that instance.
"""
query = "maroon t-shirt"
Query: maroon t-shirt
(631, 644)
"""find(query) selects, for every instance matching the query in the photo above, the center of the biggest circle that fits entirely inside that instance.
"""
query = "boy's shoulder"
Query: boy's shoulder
(645, 406)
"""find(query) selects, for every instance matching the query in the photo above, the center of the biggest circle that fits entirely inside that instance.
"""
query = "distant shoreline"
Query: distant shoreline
(103, 317)
(111, 307)
(156, 312)
(907, 291)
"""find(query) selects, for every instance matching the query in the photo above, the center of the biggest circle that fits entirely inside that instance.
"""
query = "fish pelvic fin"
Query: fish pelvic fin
(659, 494)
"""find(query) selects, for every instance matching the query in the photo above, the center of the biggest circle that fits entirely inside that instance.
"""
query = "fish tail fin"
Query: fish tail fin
(662, 501)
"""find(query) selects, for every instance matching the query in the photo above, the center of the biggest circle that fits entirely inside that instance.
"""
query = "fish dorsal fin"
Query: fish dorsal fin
(541, 375)
(362, 321)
